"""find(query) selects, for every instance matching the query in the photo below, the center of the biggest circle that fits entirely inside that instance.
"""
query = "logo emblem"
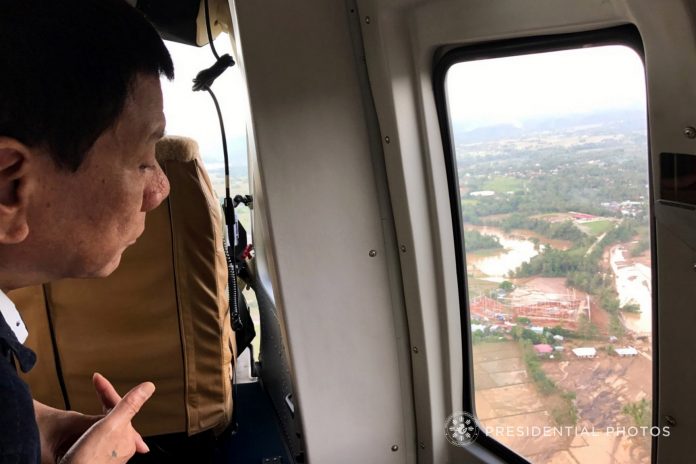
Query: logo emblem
(461, 429)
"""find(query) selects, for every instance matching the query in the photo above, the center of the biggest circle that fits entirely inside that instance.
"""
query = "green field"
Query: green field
(502, 184)
(480, 287)
(598, 227)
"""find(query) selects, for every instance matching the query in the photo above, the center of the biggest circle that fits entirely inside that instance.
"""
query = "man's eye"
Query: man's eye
(147, 167)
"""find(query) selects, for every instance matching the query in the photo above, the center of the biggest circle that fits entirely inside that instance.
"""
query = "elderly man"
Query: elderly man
(80, 113)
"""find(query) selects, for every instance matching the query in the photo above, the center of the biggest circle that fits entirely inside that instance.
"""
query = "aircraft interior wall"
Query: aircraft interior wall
(353, 224)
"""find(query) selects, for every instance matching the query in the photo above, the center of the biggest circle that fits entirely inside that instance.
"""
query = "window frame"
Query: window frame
(444, 58)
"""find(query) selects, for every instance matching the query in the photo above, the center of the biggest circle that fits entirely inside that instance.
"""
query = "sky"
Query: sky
(514, 89)
(193, 114)
(481, 93)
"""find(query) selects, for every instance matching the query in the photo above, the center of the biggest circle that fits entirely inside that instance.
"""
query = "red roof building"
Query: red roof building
(543, 348)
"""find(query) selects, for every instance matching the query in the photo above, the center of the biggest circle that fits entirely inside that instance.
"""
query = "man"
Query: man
(80, 113)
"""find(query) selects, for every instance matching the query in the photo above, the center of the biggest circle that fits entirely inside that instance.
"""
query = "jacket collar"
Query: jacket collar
(10, 345)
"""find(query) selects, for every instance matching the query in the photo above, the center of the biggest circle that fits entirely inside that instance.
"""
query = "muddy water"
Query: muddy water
(516, 250)
(634, 285)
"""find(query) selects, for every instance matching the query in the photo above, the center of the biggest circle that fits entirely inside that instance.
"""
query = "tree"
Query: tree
(631, 308)
(616, 328)
(475, 240)
(640, 412)
(586, 329)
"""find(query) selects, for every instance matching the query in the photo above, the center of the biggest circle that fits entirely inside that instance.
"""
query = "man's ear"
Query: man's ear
(14, 166)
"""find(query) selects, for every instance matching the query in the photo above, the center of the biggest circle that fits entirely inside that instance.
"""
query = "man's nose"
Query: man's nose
(156, 190)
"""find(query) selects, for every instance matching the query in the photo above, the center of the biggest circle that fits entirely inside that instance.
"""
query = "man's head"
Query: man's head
(80, 113)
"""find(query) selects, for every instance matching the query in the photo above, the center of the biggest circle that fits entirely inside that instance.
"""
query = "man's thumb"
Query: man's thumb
(131, 403)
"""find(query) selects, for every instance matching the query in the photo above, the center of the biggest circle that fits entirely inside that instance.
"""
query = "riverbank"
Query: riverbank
(633, 281)
(496, 267)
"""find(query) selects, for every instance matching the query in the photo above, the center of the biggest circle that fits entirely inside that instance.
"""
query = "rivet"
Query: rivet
(415, 349)
(694, 267)
(373, 253)
(403, 250)
(671, 421)
(690, 132)
(386, 139)
(395, 448)
(422, 445)
(367, 19)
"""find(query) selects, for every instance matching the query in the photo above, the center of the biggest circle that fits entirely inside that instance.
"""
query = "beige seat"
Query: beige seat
(161, 316)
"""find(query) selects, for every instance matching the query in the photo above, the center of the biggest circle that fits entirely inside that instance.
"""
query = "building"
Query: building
(475, 327)
(483, 193)
(581, 217)
(538, 305)
(626, 352)
(543, 349)
(585, 353)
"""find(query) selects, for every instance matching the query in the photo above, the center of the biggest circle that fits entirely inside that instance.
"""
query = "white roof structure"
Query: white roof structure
(585, 352)
(475, 327)
(629, 351)
(537, 329)
(483, 193)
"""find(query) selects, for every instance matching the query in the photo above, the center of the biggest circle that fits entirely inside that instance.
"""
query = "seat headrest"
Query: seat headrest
(176, 148)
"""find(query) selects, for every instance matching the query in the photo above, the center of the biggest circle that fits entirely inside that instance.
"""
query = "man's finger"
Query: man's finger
(131, 403)
(107, 394)
(140, 445)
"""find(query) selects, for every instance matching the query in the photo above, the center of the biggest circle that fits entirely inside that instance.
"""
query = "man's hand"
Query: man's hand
(59, 429)
(109, 398)
(112, 439)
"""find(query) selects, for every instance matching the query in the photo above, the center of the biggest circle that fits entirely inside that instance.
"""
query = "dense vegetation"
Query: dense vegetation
(579, 264)
(476, 241)
(579, 171)
(565, 230)
(640, 412)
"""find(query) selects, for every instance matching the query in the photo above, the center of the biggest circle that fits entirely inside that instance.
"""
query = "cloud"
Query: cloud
(523, 87)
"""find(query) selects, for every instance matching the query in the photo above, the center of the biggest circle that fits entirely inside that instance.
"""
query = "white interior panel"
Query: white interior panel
(401, 42)
(321, 220)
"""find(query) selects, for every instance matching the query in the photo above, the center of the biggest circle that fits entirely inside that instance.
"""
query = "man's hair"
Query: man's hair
(67, 68)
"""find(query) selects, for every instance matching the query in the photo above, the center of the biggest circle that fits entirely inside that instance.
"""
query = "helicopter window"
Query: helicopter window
(551, 158)
(192, 114)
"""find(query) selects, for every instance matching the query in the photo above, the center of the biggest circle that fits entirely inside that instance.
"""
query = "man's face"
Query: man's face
(84, 221)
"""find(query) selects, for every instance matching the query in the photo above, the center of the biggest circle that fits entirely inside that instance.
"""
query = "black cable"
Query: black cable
(209, 31)
(233, 289)
(230, 220)
(56, 353)
(224, 144)
(203, 81)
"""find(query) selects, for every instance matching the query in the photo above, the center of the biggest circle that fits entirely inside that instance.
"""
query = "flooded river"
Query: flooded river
(634, 285)
(516, 250)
